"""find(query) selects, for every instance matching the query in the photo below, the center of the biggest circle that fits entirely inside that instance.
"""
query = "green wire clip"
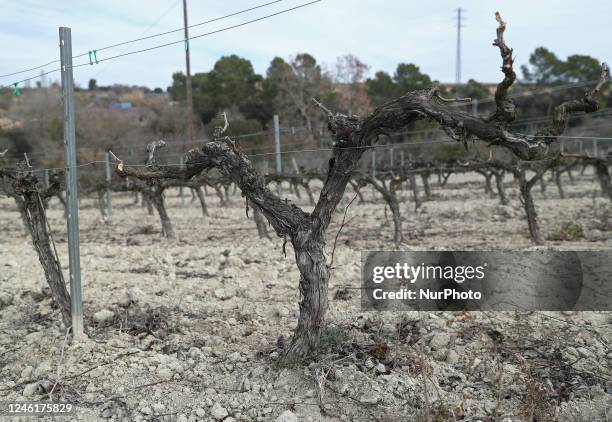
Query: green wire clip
(16, 90)
(186, 44)
(95, 56)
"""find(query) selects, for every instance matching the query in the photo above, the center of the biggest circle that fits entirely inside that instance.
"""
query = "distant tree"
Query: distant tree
(579, 68)
(205, 104)
(474, 90)
(407, 77)
(166, 120)
(92, 85)
(546, 68)
(381, 88)
(296, 83)
(178, 89)
(232, 85)
(158, 90)
(350, 73)
(232, 80)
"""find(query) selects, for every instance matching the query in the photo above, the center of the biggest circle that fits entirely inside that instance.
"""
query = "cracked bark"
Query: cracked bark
(24, 185)
(529, 207)
(526, 185)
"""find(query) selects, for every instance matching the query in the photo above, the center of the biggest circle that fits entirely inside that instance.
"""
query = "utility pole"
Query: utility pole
(71, 181)
(188, 79)
(279, 165)
(458, 58)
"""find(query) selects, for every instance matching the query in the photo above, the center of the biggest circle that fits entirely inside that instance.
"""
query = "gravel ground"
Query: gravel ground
(190, 330)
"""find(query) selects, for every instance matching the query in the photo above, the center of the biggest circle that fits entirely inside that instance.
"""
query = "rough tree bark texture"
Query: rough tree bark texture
(398, 235)
(306, 185)
(488, 188)
(426, 188)
(260, 221)
(22, 212)
(200, 194)
(219, 193)
(444, 178)
(147, 203)
(352, 136)
(415, 191)
(294, 186)
(102, 204)
(499, 184)
(227, 195)
(152, 191)
(529, 206)
(526, 185)
(357, 191)
(389, 195)
(603, 175)
(543, 186)
(156, 197)
(62, 200)
(153, 197)
(557, 175)
(24, 185)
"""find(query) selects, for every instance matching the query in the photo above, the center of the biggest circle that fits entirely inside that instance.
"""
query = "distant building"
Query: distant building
(104, 100)
(156, 95)
(121, 106)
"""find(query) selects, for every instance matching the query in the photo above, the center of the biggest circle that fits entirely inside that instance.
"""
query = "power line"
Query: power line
(209, 33)
(176, 42)
(182, 28)
(30, 69)
(32, 78)
(163, 15)
(145, 38)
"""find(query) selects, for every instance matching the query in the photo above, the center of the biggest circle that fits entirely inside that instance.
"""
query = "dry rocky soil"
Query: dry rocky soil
(192, 329)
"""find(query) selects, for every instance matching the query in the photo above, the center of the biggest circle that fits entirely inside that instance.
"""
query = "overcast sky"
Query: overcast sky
(381, 33)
